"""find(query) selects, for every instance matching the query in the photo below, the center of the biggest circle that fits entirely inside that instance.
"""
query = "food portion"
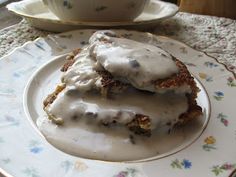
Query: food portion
(119, 85)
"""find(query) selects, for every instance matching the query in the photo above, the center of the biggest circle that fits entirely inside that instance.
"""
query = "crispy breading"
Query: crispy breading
(51, 97)
(70, 59)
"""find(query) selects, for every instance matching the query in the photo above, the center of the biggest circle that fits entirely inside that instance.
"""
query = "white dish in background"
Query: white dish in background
(38, 15)
(25, 153)
(97, 11)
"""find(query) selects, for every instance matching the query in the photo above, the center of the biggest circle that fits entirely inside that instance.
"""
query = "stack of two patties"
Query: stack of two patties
(115, 81)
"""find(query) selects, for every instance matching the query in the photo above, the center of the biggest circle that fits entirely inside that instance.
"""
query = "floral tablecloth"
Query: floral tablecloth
(213, 35)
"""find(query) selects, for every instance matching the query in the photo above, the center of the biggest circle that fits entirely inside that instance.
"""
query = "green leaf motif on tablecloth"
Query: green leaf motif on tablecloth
(31, 172)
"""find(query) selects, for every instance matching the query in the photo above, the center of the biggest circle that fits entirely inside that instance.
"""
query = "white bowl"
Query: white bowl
(96, 10)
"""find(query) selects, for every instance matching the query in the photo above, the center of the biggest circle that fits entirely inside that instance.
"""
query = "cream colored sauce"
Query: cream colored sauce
(161, 108)
(127, 60)
(102, 143)
(83, 112)
(82, 75)
(84, 136)
(136, 62)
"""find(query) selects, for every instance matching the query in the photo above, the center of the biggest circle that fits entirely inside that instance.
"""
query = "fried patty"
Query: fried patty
(141, 124)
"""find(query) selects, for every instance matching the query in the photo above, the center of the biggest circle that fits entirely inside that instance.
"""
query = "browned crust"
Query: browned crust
(140, 125)
(179, 79)
(193, 111)
(70, 59)
(51, 97)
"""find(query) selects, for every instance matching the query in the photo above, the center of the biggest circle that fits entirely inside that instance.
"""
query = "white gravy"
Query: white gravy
(161, 108)
(81, 134)
(82, 112)
(133, 61)
(82, 75)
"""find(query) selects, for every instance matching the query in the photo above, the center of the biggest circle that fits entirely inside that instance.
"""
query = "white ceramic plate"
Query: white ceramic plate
(37, 14)
(25, 153)
(44, 81)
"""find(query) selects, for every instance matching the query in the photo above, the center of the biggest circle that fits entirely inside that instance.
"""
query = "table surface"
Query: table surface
(213, 35)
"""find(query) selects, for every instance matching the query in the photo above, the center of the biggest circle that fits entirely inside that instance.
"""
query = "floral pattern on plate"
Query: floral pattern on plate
(184, 164)
(209, 144)
(24, 153)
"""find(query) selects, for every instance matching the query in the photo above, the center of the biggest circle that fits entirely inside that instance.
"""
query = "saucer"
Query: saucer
(38, 15)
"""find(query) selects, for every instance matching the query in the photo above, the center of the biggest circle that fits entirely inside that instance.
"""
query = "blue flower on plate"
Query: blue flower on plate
(219, 93)
(35, 147)
(17, 75)
(183, 164)
(186, 163)
(36, 150)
